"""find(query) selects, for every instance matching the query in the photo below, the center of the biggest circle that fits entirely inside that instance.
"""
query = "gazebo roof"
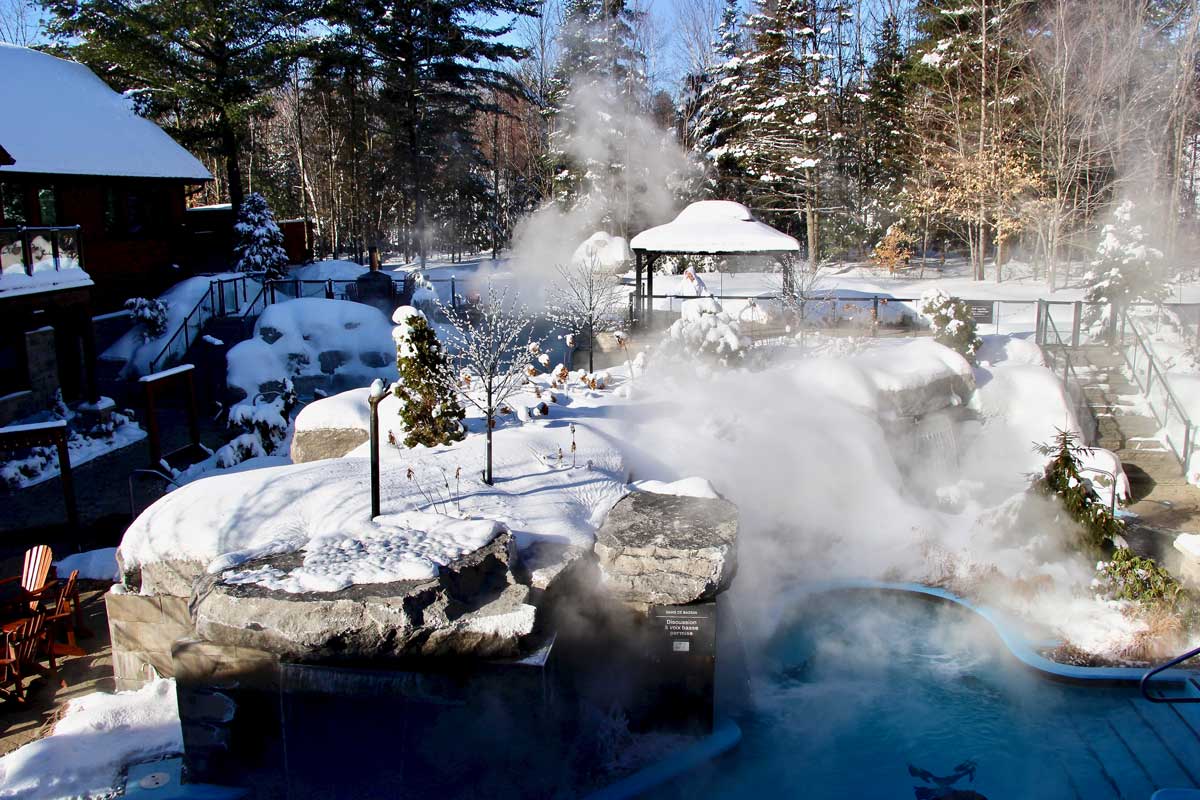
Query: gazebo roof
(712, 227)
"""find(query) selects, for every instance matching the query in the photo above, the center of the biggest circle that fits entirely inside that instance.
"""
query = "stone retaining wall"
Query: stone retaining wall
(144, 629)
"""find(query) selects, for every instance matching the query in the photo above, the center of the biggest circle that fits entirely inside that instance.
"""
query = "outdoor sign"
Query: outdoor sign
(683, 644)
(982, 311)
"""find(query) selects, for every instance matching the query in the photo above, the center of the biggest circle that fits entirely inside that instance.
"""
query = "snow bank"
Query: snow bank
(77, 125)
(16, 282)
(313, 336)
(334, 269)
(95, 565)
(610, 254)
(89, 748)
(684, 487)
(715, 226)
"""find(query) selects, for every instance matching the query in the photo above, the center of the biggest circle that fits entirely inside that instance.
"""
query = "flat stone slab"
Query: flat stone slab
(474, 607)
(661, 549)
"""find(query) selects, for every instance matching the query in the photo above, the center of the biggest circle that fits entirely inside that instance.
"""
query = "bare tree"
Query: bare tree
(489, 348)
(585, 300)
(20, 22)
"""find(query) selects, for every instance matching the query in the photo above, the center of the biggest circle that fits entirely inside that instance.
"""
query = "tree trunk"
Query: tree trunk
(233, 170)
(491, 421)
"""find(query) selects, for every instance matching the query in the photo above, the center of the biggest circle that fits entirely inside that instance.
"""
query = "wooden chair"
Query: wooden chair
(20, 661)
(66, 616)
(33, 578)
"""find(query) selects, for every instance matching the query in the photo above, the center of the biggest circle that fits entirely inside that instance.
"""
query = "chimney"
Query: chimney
(374, 251)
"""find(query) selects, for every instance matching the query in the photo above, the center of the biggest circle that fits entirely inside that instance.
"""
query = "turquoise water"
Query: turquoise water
(878, 695)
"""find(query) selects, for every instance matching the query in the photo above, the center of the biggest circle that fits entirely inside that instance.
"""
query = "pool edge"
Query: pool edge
(725, 736)
(1018, 646)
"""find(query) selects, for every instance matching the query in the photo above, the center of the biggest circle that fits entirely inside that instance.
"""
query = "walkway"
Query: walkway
(1161, 496)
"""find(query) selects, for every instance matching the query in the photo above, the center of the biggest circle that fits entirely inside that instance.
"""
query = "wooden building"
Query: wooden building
(79, 155)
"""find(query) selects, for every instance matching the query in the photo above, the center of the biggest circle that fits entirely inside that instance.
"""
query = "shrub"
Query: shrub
(431, 412)
(1128, 576)
(151, 313)
(950, 319)
(1062, 477)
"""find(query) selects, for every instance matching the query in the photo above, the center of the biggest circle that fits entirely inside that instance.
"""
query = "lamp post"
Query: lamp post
(378, 391)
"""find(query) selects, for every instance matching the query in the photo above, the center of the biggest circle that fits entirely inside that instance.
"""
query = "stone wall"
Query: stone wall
(43, 378)
(144, 629)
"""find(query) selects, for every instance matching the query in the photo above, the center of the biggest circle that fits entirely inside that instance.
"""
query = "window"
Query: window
(111, 222)
(12, 205)
(48, 205)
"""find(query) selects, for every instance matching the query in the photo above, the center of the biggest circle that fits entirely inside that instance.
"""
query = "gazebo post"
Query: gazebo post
(650, 259)
(637, 286)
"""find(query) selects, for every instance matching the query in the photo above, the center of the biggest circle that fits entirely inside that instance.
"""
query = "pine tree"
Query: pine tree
(431, 412)
(201, 63)
(259, 242)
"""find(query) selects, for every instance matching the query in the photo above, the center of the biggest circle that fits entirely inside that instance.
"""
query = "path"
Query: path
(1160, 494)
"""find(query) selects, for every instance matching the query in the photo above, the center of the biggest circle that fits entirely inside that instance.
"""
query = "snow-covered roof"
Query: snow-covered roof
(715, 226)
(63, 120)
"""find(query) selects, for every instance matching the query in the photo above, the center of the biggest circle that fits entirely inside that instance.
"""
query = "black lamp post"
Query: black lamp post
(378, 392)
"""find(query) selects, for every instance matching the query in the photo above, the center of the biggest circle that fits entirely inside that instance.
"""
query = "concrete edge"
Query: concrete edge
(1018, 646)
(725, 736)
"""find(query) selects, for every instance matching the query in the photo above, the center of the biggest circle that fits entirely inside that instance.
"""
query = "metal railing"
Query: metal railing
(1177, 427)
(1144, 684)
(1056, 348)
(32, 250)
(225, 297)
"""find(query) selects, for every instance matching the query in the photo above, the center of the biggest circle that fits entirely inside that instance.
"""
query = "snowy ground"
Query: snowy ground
(40, 464)
(89, 748)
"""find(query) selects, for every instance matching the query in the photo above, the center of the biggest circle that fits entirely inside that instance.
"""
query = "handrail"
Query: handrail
(1154, 370)
(1070, 377)
(1144, 684)
(154, 473)
(158, 362)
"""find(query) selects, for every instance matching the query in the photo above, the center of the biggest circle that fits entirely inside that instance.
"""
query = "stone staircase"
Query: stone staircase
(1160, 494)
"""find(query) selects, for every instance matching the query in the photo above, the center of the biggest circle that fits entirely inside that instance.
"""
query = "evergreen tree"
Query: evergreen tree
(202, 62)
(259, 242)
(436, 66)
(718, 102)
(431, 412)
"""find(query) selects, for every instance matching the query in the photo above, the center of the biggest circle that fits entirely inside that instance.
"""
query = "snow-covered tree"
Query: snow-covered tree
(490, 347)
(1126, 269)
(151, 313)
(431, 411)
(586, 300)
(950, 319)
(259, 242)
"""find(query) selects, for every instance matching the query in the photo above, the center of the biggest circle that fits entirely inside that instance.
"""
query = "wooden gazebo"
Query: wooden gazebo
(706, 228)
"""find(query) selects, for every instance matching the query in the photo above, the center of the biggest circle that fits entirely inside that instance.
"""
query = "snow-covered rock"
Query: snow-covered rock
(315, 342)
(667, 549)
(473, 606)
(608, 254)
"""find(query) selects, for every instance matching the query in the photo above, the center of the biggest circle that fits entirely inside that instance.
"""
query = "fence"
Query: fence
(1148, 374)
(225, 297)
(29, 251)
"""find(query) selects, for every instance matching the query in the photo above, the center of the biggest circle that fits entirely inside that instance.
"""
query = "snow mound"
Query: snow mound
(610, 254)
(91, 745)
(684, 487)
(312, 337)
(94, 565)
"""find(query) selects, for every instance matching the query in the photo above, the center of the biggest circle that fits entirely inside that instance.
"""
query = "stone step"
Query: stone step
(1127, 426)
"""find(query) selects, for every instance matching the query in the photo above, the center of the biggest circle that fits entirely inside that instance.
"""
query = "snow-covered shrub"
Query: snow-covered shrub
(151, 314)
(705, 330)
(1126, 269)
(431, 411)
(424, 295)
(1063, 476)
(1127, 576)
(950, 319)
(264, 421)
(259, 242)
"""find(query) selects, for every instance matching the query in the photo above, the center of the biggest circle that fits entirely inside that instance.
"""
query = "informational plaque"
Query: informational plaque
(982, 311)
(684, 656)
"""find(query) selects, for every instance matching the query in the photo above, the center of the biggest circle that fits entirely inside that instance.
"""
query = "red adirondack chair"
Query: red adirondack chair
(21, 648)
(33, 584)
(65, 616)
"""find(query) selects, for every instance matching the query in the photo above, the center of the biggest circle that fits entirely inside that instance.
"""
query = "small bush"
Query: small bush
(950, 319)
(151, 313)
